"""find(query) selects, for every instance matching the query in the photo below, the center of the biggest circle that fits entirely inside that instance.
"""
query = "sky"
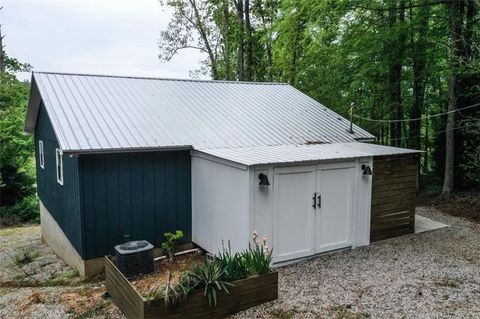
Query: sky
(115, 37)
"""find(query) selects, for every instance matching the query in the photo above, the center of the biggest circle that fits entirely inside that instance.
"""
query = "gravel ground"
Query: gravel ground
(428, 275)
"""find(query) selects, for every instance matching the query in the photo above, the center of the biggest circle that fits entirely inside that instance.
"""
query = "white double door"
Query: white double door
(312, 210)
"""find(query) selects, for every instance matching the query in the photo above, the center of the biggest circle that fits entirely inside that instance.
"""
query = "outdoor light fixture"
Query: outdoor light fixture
(263, 180)
(367, 171)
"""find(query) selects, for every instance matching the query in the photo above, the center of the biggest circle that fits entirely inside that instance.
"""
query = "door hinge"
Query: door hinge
(314, 200)
(319, 200)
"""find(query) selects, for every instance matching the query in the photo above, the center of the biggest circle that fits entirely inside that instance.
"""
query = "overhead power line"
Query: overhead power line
(419, 118)
(438, 132)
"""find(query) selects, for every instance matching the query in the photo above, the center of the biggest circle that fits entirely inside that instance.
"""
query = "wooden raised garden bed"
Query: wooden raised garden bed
(246, 293)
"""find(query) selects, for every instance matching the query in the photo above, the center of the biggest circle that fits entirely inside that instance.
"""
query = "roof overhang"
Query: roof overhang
(295, 154)
(129, 150)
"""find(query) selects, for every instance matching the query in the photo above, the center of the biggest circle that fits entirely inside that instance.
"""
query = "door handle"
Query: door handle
(314, 200)
(319, 200)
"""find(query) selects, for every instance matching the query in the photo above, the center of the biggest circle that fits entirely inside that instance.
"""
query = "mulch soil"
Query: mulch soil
(179, 266)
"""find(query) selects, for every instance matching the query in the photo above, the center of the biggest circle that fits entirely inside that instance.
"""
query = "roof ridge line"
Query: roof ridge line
(158, 78)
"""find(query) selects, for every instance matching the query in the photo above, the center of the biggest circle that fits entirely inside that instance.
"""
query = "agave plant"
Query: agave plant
(211, 277)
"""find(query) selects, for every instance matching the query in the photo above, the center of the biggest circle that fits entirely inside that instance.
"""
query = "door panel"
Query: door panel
(333, 218)
(294, 217)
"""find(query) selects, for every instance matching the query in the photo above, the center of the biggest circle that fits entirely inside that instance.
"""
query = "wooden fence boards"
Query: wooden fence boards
(393, 196)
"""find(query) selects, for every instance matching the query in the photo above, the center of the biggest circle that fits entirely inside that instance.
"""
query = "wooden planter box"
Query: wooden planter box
(246, 293)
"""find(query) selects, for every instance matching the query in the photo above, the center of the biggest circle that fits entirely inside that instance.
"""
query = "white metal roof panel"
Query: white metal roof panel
(302, 153)
(106, 113)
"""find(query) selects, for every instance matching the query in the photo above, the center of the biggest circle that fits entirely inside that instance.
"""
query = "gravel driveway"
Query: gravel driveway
(428, 275)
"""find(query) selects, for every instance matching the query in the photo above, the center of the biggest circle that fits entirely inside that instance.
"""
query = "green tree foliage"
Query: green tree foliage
(18, 202)
(393, 59)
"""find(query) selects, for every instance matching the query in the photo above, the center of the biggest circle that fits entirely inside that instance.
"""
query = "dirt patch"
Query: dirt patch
(179, 266)
(84, 299)
(466, 205)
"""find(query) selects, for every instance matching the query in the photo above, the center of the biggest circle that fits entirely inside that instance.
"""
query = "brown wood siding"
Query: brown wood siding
(393, 196)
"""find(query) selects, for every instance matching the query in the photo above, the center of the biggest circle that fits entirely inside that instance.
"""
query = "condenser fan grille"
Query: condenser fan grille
(133, 245)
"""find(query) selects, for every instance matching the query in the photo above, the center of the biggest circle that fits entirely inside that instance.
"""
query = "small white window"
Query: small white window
(59, 157)
(41, 157)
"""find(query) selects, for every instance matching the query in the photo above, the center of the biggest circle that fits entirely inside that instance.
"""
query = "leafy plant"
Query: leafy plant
(233, 264)
(174, 294)
(257, 260)
(168, 246)
(157, 291)
(211, 277)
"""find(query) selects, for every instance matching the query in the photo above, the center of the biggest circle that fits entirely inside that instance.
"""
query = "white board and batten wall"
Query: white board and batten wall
(228, 205)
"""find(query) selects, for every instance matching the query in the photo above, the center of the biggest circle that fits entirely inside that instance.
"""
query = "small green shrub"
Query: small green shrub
(168, 246)
(26, 210)
(211, 278)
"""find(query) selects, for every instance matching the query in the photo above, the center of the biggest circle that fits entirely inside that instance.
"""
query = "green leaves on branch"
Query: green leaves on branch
(168, 246)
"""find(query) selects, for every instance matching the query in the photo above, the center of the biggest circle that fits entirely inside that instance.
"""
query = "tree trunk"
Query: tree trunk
(419, 66)
(456, 21)
(426, 148)
(266, 11)
(2, 53)
(296, 49)
(249, 67)
(397, 48)
(226, 39)
(241, 31)
(203, 35)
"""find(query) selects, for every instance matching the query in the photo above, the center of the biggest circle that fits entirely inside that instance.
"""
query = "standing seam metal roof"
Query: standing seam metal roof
(106, 113)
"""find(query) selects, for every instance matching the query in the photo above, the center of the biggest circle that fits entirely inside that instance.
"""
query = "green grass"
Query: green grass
(25, 258)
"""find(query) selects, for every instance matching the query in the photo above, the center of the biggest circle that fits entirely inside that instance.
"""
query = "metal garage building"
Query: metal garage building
(122, 158)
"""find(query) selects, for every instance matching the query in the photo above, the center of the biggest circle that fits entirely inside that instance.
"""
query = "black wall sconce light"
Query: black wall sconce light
(367, 171)
(263, 180)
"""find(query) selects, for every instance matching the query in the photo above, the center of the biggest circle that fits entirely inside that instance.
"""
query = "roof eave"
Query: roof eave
(33, 106)
(127, 150)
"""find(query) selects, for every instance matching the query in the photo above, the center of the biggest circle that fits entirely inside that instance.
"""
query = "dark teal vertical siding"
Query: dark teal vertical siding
(63, 202)
(142, 195)
(108, 196)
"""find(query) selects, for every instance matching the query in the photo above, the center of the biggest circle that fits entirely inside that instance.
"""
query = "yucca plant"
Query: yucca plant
(171, 294)
(211, 277)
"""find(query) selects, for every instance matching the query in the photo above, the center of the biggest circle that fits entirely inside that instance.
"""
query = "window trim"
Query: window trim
(59, 165)
(41, 154)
